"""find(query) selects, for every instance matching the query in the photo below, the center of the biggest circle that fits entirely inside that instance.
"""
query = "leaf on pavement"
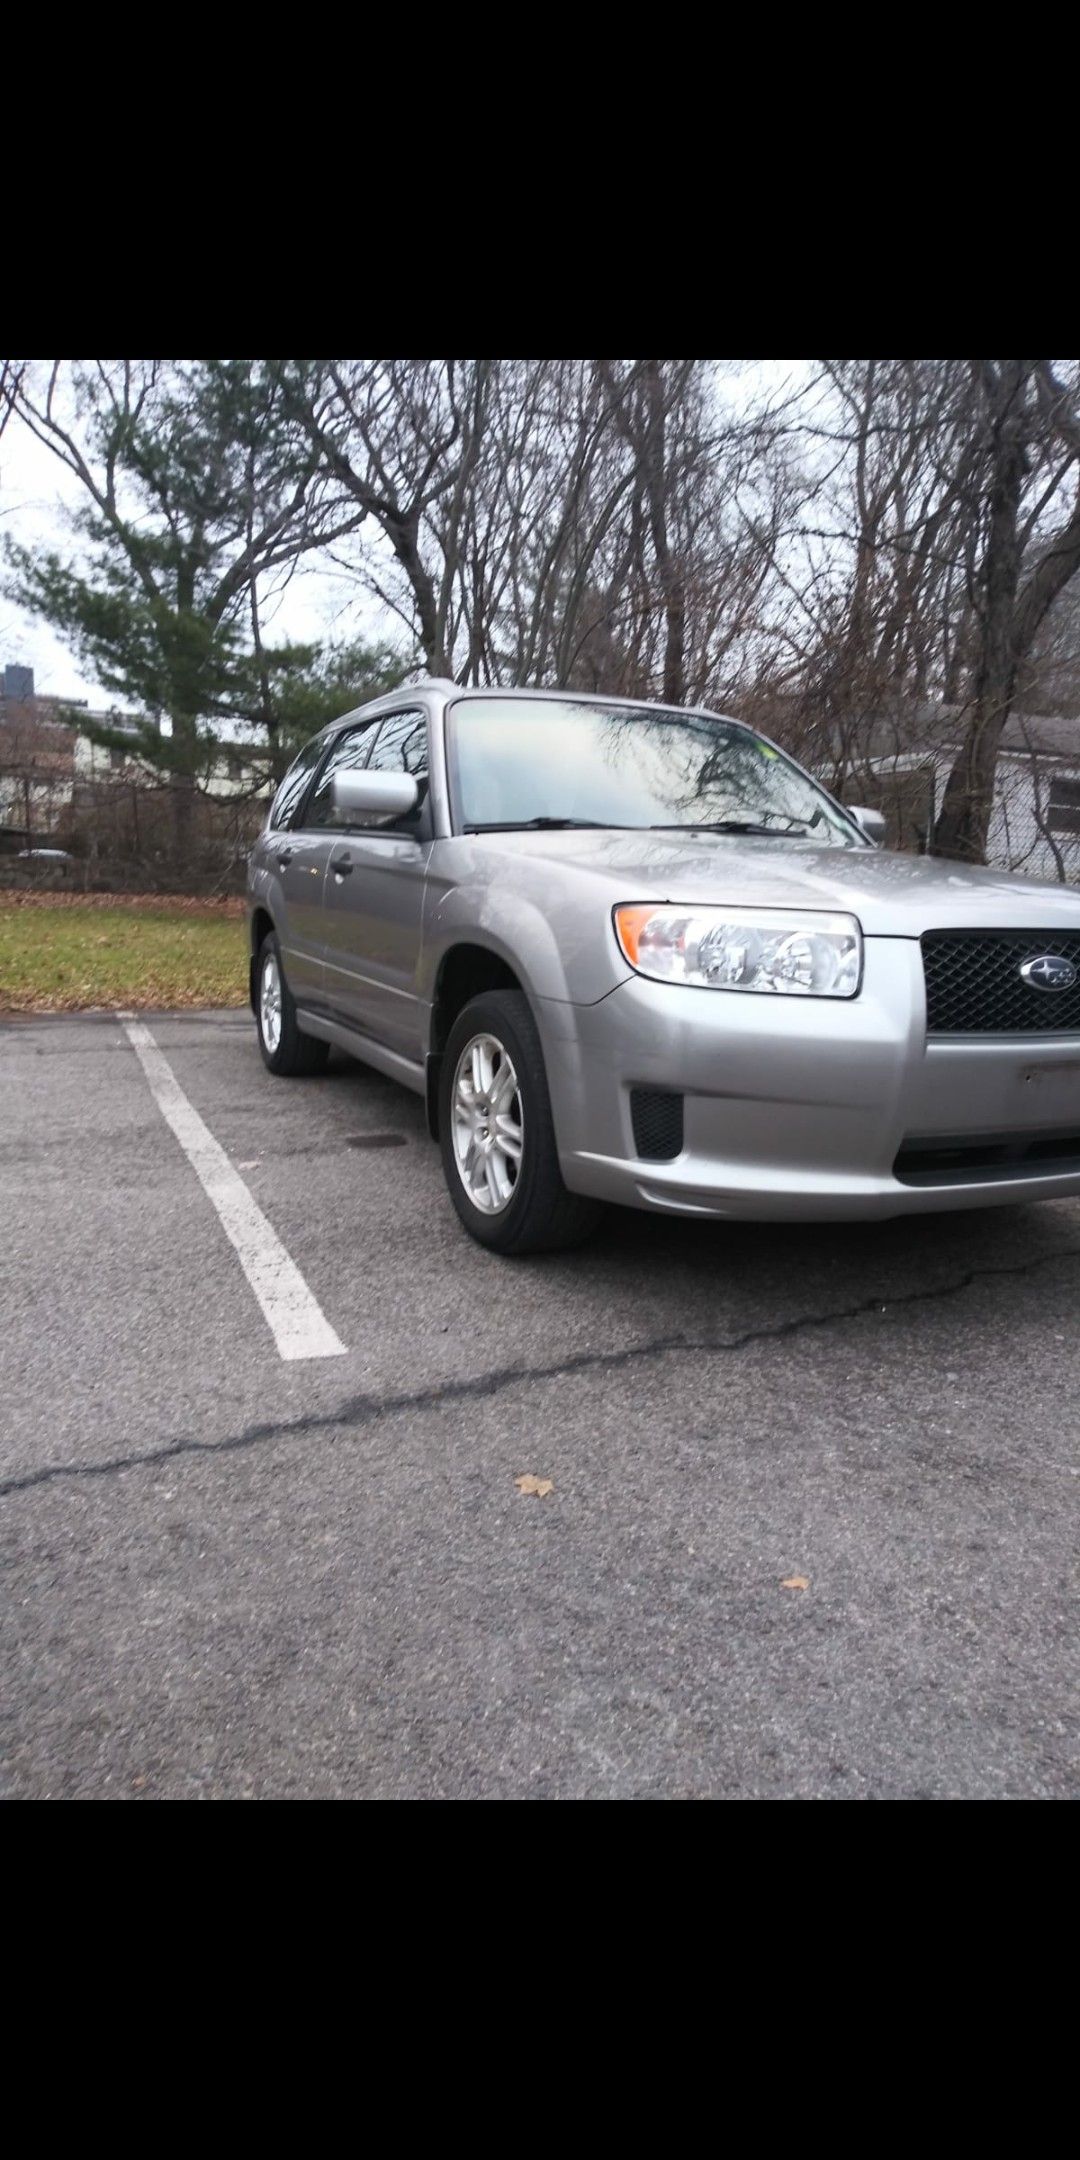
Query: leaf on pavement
(540, 1486)
(795, 1582)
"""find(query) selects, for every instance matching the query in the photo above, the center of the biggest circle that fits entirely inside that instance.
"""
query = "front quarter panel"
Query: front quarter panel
(553, 930)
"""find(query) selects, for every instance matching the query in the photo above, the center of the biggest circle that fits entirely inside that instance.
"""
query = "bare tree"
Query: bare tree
(532, 521)
(1021, 553)
(838, 561)
(401, 438)
(939, 524)
(1052, 676)
(11, 377)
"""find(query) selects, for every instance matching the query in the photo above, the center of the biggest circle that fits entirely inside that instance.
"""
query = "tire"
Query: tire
(526, 1207)
(293, 1056)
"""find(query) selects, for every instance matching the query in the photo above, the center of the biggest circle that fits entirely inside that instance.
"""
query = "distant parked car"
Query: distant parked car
(640, 955)
(52, 855)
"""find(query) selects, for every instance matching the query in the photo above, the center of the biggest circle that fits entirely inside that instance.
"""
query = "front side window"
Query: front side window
(401, 745)
(349, 754)
(289, 794)
(549, 761)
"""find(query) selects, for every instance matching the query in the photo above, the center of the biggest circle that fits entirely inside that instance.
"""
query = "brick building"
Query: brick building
(48, 769)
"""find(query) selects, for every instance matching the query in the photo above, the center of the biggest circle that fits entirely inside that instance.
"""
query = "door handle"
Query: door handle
(341, 866)
(285, 855)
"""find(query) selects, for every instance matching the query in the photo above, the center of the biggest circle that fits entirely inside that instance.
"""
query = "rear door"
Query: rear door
(296, 861)
(373, 897)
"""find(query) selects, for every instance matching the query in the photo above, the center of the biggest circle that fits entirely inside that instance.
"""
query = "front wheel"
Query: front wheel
(496, 1133)
(284, 1049)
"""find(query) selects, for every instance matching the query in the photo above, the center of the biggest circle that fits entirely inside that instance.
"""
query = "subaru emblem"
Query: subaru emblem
(1051, 971)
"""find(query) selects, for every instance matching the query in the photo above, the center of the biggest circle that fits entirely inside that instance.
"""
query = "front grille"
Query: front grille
(974, 985)
(970, 1157)
(657, 1119)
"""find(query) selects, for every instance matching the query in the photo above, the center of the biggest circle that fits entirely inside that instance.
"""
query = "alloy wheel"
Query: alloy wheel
(488, 1123)
(270, 1001)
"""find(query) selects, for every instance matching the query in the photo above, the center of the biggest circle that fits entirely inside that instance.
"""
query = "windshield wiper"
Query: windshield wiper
(552, 824)
(740, 825)
(586, 824)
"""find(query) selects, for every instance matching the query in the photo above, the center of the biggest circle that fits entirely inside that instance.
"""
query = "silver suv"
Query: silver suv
(639, 955)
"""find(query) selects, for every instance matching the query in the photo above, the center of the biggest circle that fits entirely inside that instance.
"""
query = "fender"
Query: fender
(500, 907)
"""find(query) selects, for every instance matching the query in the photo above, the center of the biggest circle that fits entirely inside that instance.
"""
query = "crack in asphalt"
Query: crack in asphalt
(366, 1410)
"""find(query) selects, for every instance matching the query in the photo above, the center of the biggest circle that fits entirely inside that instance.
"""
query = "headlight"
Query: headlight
(713, 948)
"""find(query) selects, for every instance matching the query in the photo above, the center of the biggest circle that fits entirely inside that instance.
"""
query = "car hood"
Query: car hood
(892, 895)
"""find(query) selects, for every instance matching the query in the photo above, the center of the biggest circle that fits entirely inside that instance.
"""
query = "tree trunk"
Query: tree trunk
(404, 537)
(182, 793)
(671, 580)
(183, 761)
(964, 824)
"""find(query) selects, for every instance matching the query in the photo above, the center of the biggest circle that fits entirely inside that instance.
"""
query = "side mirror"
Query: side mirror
(375, 795)
(870, 822)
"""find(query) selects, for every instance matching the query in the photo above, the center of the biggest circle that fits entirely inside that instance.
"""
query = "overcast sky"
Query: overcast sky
(37, 492)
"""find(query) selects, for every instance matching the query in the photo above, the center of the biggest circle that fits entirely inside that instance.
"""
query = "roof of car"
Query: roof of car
(442, 687)
(533, 690)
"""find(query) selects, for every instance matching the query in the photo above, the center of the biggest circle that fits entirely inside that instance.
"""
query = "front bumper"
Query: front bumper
(796, 1108)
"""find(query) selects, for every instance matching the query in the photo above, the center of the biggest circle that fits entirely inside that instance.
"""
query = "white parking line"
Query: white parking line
(297, 1322)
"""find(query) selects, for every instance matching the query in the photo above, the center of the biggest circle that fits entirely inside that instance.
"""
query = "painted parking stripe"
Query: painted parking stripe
(298, 1324)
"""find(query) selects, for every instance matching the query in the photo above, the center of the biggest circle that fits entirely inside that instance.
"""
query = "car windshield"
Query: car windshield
(518, 762)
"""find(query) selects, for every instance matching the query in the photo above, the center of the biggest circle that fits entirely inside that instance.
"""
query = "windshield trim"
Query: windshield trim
(461, 827)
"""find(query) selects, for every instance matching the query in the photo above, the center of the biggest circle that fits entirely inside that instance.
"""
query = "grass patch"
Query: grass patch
(133, 953)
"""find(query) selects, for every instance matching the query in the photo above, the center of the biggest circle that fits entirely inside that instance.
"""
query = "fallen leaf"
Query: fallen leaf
(540, 1486)
(795, 1582)
(138, 1783)
(252, 1165)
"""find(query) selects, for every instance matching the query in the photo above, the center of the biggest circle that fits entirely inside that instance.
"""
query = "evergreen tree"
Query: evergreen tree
(197, 485)
(295, 689)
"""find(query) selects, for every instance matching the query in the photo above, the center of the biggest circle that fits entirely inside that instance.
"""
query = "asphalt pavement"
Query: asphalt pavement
(229, 1573)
